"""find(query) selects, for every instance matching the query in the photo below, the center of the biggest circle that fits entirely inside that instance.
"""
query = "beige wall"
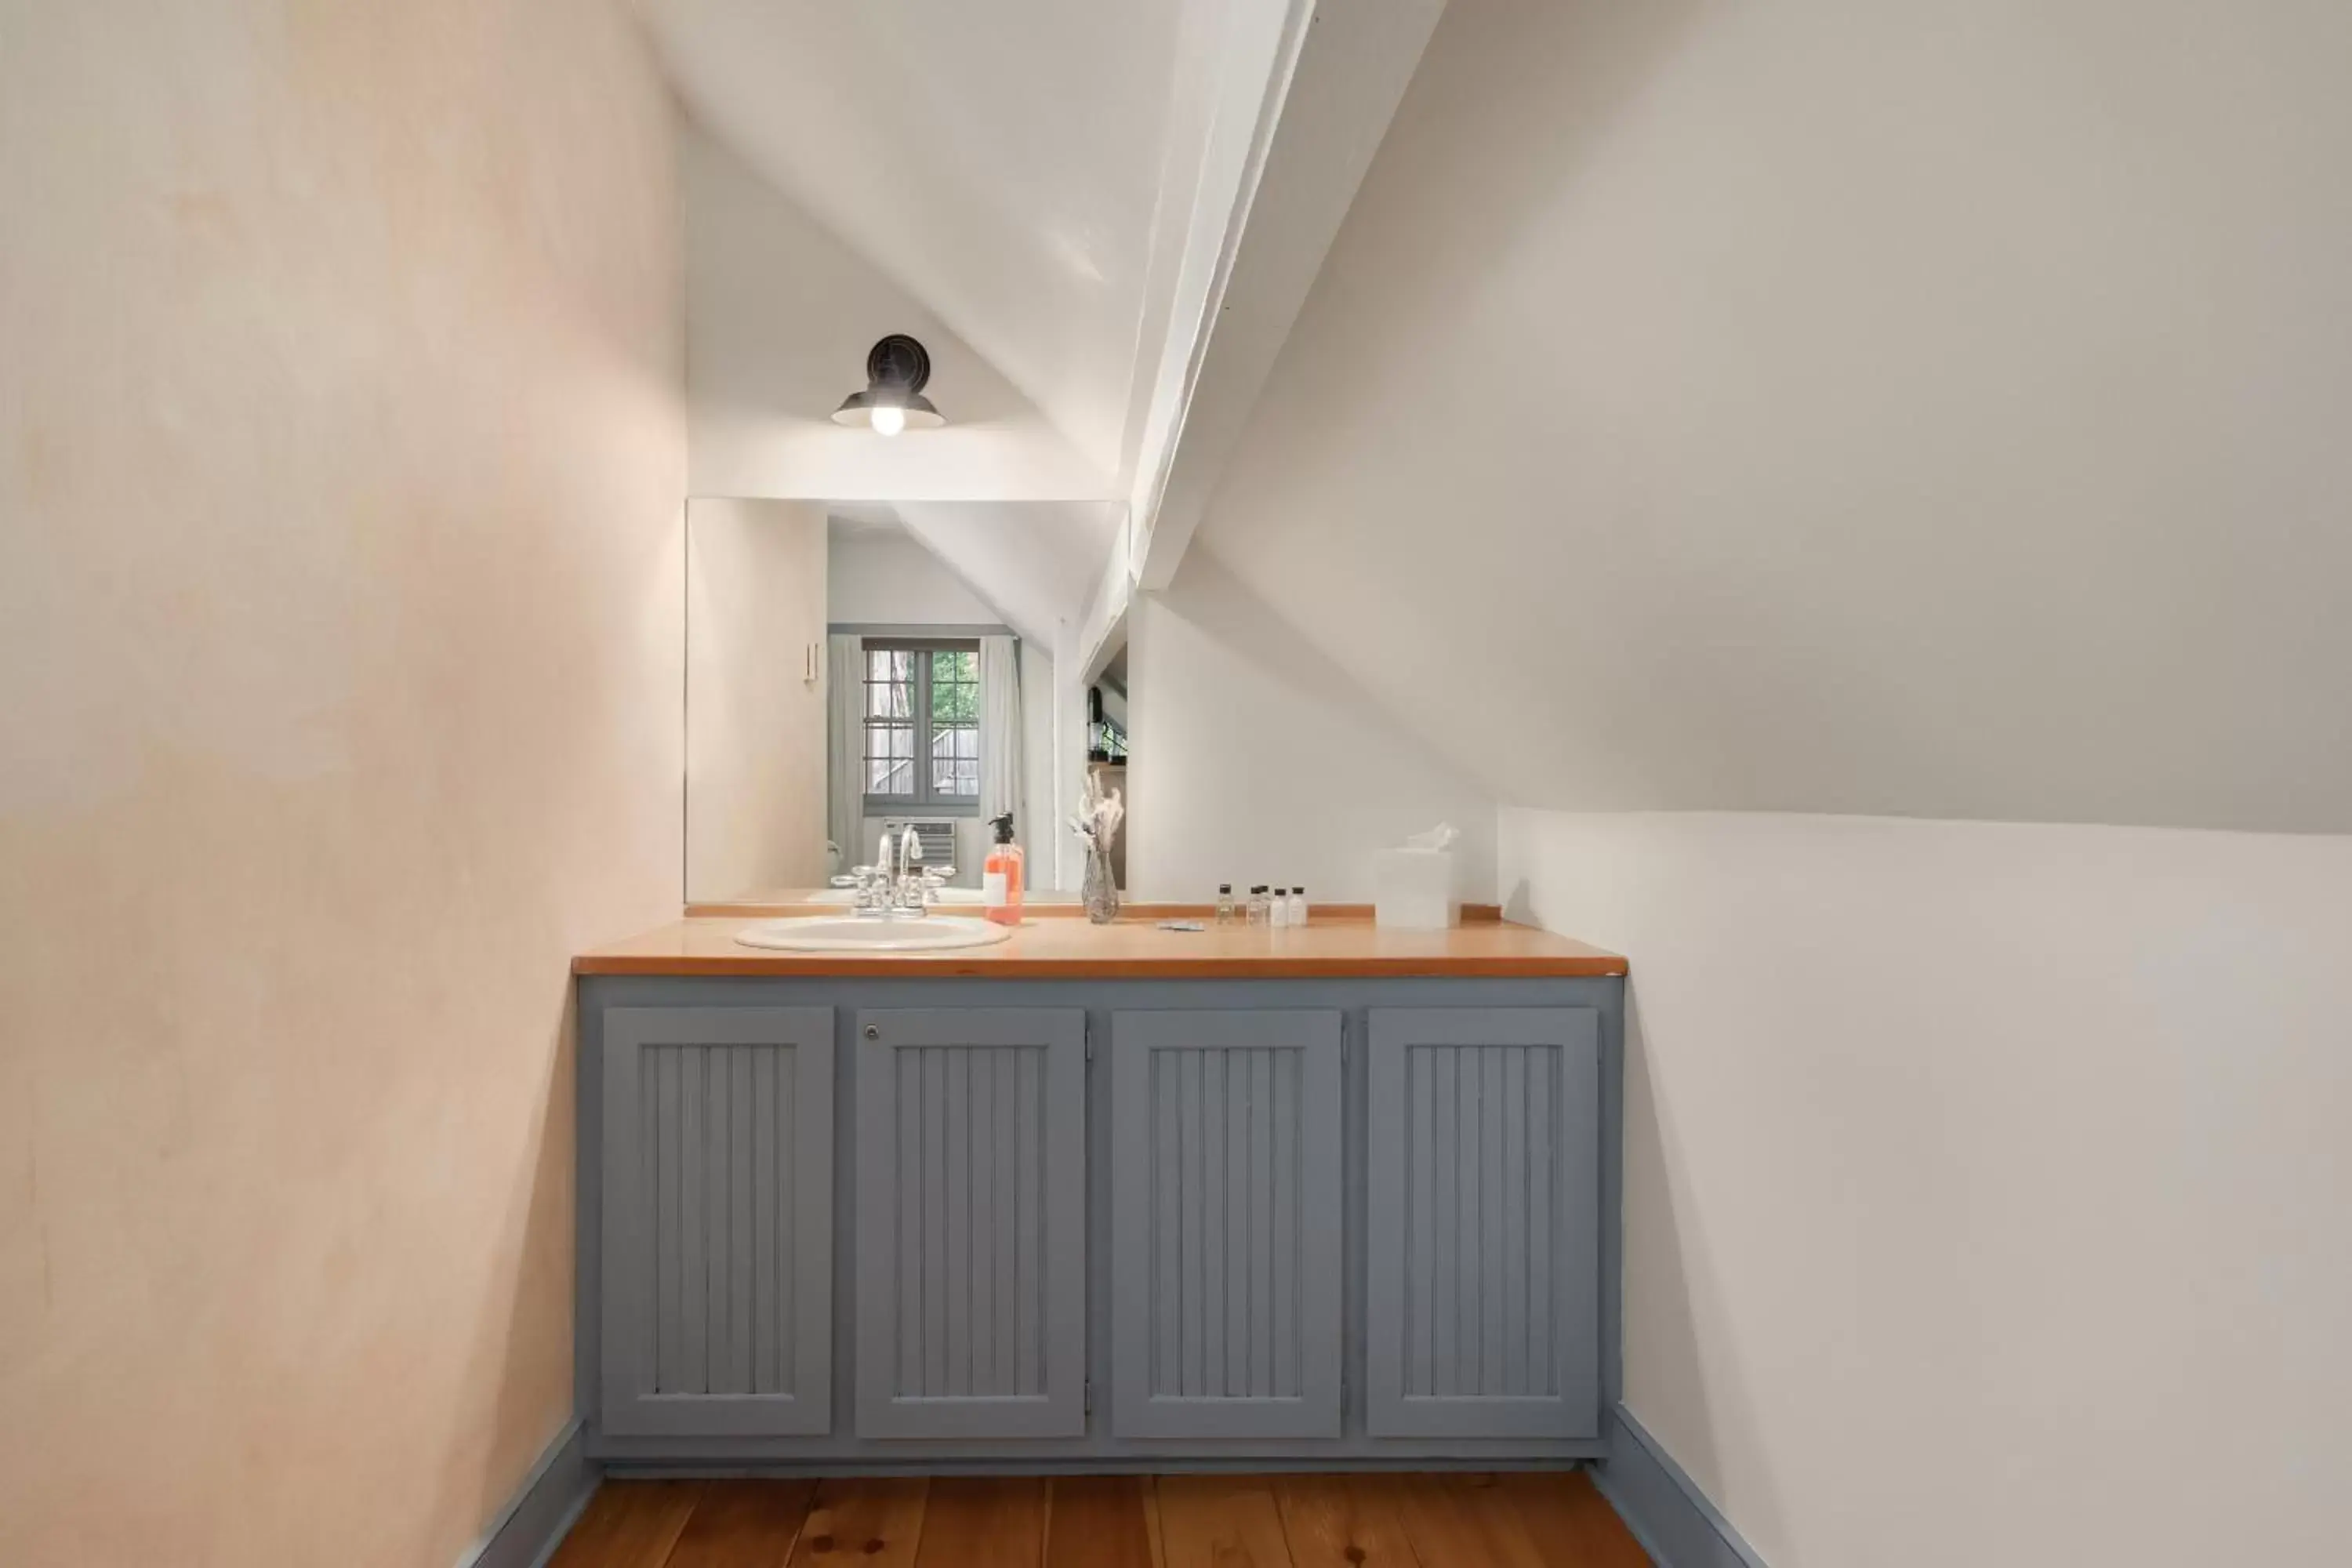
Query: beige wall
(755, 731)
(341, 454)
(1985, 1184)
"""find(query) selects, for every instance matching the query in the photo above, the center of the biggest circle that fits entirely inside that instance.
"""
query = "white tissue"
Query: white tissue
(1412, 886)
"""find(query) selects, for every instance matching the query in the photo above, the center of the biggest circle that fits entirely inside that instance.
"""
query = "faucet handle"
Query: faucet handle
(872, 885)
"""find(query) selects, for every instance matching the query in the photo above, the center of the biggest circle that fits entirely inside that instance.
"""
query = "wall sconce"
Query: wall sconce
(895, 370)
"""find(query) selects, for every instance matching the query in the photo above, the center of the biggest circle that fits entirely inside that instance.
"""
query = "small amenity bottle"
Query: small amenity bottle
(1224, 903)
(1298, 905)
(1278, 912)
(1257, 904)
(1000, 876)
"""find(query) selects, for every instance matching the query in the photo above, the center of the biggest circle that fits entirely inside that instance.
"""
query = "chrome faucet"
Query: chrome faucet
(897, 885)
(915, 886)
(876, 884)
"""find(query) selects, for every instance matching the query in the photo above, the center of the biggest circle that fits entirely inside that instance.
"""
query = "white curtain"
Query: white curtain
(1000, 731)
(845, 746)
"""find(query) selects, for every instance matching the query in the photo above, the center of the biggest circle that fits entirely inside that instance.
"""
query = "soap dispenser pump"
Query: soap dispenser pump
(1001, 876)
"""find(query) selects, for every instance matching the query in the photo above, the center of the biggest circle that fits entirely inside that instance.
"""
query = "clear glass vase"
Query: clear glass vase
(1101, 890)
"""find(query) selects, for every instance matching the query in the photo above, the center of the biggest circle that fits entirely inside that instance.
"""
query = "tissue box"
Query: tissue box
(1412, 889)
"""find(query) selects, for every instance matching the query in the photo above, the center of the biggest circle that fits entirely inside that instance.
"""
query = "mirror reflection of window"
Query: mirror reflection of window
(922, 725)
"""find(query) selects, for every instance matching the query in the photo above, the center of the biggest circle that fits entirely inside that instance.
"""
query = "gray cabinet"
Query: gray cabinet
(717, 1256)
(1328, 1222)
(1482, 1306)
(970, 1222)
(1227, 1218)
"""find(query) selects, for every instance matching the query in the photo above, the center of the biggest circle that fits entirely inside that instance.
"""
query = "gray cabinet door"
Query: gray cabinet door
(1482, 1312)
(1226, 1205)
(972, 1223)
(718, 1221)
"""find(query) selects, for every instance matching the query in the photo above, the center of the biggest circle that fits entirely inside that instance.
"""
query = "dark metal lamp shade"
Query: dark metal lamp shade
(896, 371)
(858, 408)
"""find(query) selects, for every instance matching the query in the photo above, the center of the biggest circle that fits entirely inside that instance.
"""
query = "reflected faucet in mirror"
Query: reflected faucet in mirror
(896, 887)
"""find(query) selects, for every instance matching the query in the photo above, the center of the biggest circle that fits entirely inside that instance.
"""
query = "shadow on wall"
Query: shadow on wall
(520, 1365)
(1262, 634)
(1663, 1300)
(1362, 461)
(1669, 1287)
(1258, 757)
(1550, 100)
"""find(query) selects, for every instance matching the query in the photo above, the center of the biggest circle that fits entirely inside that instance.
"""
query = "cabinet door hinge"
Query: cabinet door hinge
(1090, 1039)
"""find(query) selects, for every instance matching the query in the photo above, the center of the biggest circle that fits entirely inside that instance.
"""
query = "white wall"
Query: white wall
(1985, 1184)
(779, 317)
(755, 721)
(889, 579)
(1866, 405)
(341, 445)
(1256, 759)
(1069, 706)
(1038, 826)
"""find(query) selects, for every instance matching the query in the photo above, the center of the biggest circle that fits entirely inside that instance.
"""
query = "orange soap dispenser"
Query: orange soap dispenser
(1001, 876)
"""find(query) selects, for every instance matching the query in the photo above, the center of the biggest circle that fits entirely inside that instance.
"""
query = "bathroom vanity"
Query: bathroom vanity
(1098, 1197)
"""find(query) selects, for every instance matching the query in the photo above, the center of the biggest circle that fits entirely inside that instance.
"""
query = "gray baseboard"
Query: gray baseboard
(698, 1470)
(527, 1533)
(1663, 1508)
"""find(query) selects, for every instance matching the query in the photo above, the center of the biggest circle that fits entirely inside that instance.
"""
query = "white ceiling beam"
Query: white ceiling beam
(1103, 624)
(1339, 74)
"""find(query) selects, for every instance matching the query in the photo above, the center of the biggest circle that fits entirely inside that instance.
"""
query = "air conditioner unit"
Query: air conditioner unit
(936, 833)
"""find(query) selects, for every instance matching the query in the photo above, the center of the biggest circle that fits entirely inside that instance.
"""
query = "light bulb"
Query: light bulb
(888, 419)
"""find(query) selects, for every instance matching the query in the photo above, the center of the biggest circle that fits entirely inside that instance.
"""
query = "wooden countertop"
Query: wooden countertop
(1056, 948)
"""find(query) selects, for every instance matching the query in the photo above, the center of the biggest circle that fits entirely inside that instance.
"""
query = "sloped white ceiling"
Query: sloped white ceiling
(1033, 561)
(1002, 163)
(1027, 561)
(1804, 407)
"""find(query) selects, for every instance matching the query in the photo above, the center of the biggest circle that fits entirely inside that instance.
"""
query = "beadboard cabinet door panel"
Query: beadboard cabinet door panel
(718, 1221)
(1225, 1192)
(1482, 1306)
(972, 1223)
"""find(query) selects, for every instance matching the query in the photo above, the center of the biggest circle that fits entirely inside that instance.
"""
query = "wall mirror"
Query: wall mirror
(842, 681)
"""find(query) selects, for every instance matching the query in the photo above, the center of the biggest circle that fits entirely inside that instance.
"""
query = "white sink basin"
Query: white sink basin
(832, 933)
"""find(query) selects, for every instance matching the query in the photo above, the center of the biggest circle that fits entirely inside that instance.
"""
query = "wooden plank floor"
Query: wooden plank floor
(1541, 1521)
